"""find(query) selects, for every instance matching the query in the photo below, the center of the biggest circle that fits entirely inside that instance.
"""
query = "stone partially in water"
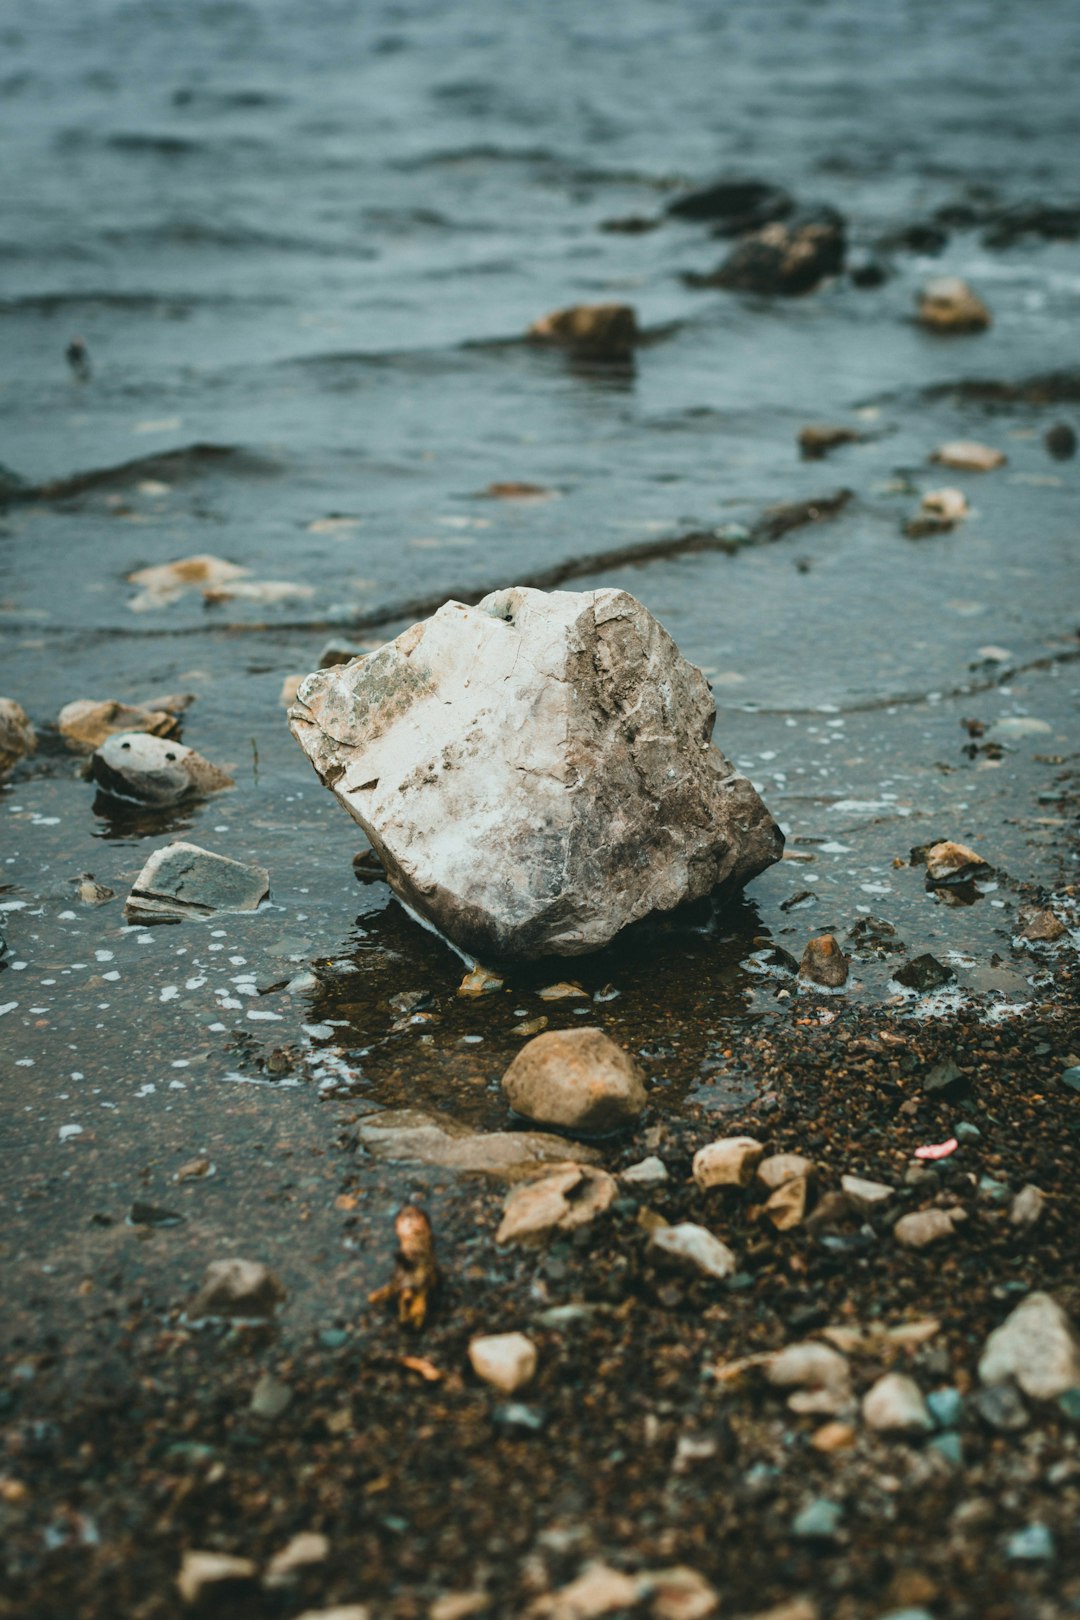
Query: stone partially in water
(183, 880)
(948, 304)
(575, 1078)
(923, 973)
(817, 439)
(595, 331)
(1060, 441)
(17, 738)
(154, 770)
(785, 257)
(536, 773)
(967, 455)
(824, 963)
(733, 204)
(85, 724)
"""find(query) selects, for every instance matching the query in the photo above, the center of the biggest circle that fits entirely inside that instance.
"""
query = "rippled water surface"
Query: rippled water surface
(307, 240)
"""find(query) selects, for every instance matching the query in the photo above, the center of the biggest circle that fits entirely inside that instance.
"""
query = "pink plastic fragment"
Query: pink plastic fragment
(938, 1150)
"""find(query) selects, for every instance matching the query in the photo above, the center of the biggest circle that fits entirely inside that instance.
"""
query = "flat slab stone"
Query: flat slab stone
(411, 1136)
(183, 880)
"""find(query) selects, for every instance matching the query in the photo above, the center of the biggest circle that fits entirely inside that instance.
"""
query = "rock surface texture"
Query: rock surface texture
(575, 1078)
(536, 772)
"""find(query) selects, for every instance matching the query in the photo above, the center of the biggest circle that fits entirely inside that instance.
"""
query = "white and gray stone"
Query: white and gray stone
(730, 1162)
(181, 880)
(695, 1249)
(536, 773)
(1038, 1346)
(507, 1361)
(413, 1136)
(154, 770)
(894, 1405)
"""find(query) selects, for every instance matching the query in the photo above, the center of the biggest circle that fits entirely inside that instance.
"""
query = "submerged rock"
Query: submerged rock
(923, 973)
(948, 304)
(786, 257)
(949, 862)
(595, 331)
(183, 880)
(411, 1136)
(536, 772)
(731, 1162)
(576, 1078)
(17, 737)
(733, 204)
(153, 770)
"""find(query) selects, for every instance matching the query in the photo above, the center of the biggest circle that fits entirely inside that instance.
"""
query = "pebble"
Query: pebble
(1027, 1207)
(832, 1437)
(345, 1611)
(505, 1360)
(1040, 926)
(819, 1521)
(577, 1079)
(819, 1375)
(947, 304)
(894, 1405)
(561, 1202)
(309, 1547)
(679, 1594)
(1032, 1545)
(1001, 1407)
(925, 1226)
(786, 1207)
(270, 1397)
(946, 1407)
(949, 862)
(793, 1609)
(948, 1446)
(598, 1590)
(730, 1162)
(923, 973)
(459, 1605)
(649, 1172)
(824, 963)
(696, 1248)
(479, 981)
(199, 1570)
(866, 1196)
(967, 455)
(1037, 1345)
(1071, 1077)
(780, 1167)
(239, 1289)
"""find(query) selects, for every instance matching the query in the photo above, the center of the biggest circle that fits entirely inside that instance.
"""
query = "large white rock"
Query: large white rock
(536, 772)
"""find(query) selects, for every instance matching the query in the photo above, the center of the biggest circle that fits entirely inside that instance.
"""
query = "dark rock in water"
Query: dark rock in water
(733, 205)
(924, 973)
(1060, 441)
(824, 963)
(631, 224)
(1051, 221)
(817, 439)
(867, 272)
(785, 258)
(876, 937)
(922, 236)
(183, 880)
(536, 771)
(594, 331)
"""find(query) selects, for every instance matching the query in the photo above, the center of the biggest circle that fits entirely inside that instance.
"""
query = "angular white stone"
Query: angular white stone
(696, 1248)
(728, 1163)
(536, 772)
(506, 1360)
(894, 1405)
(1037, 1345)
(865, 1196)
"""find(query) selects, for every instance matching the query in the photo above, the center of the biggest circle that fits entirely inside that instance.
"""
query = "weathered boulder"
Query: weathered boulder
(17, 738)
(85, 724)
(536, 772)
(153, 770)
(575, 1078)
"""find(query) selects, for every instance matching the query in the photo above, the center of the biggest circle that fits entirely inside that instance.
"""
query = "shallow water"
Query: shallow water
(313, 240)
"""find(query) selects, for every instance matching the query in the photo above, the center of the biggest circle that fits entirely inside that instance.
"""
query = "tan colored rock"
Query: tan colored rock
(680, 1594)
(966, 455)
(948, 304)
(344, 1611)
(154, 770)
(202, 1570)
(1040, 926)
(17, 736)
(780, 1167)
(505, 1360)
(560, 1202)
(86, 724)
(535, 772)
(730, 1162)
(866, 1196)
(817, 439)
(165, 583)
(307, 1548)
(1028, 1206)
(694, 1248)
(793, 1609)
(599, 1590)
(926, 1226)
(479, 981)
(949, 862)
(416, 1136)
(1037, 1345)
(819, 1376)
(824, 963)
(786, 1207)
(947, 505)
(459, 1605)
(180, 881)
(577, 1079)
(244, 1290)
(833, 1437)
(603, 331)
(894, 1405)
